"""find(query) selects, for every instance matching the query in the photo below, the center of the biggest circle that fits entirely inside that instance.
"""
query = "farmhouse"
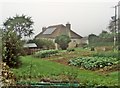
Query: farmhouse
(51, 32)
(84, 40)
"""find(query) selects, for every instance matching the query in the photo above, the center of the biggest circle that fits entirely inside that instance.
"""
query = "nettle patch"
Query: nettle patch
(93, 63)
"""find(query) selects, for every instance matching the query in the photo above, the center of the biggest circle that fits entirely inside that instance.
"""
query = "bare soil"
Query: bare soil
(62, 61)
(106, 70)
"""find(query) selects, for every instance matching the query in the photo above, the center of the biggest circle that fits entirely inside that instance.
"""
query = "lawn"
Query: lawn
(35, 69)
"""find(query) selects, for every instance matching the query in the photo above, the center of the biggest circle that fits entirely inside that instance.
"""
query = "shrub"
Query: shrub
(63, 41)
(14, 29)
(44, 43)
(12, 47)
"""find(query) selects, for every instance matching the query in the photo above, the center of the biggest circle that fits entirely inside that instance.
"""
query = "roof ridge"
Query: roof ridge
(55, 25)
(76, 33)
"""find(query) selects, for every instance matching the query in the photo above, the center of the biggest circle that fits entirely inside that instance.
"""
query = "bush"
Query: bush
(44, 43)
(12, 47)
(45, 53)
(63, 41)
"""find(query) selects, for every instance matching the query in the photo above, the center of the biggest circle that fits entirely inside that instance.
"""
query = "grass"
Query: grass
(113, 54)
(45, 68)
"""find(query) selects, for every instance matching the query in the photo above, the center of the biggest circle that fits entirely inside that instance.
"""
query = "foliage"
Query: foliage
(93, 63)
(45, 53)
(105, 34)
(99, 44)
(0, 42)
(14, 29)
(22, 25)
(111, 26)
(44, 43)
(107, 37)
(40, 68)
(63, 41)
(104, 39)
(106, 54)
(12, 47)
(92, 39)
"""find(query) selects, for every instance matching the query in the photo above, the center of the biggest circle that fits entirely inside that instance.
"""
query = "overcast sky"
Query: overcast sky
(85, 16)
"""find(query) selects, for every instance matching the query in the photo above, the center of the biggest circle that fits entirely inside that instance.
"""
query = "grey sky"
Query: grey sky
(85, 16)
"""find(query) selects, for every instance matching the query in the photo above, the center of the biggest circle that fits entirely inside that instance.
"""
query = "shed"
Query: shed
(30, 45)
(30, 48)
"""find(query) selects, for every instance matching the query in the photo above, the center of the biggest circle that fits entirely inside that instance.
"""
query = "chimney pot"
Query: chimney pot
(43, 28)
(68, 25)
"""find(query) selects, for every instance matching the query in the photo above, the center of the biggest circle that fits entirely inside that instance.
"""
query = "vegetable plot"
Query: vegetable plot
(45, 53)
(92, 63)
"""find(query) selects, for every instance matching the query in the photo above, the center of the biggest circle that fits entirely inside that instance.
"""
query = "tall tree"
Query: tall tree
(105, 34)
(111, 26)
(22, 25)
(14, 29)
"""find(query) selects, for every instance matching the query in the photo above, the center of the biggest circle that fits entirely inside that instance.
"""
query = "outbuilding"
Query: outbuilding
(30, 48)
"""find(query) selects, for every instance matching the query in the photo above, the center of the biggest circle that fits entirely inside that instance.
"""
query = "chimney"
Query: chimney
(43, 28)
(68, 26)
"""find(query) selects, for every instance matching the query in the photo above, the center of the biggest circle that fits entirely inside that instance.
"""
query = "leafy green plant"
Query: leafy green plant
(45, 53)
(93, 63)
